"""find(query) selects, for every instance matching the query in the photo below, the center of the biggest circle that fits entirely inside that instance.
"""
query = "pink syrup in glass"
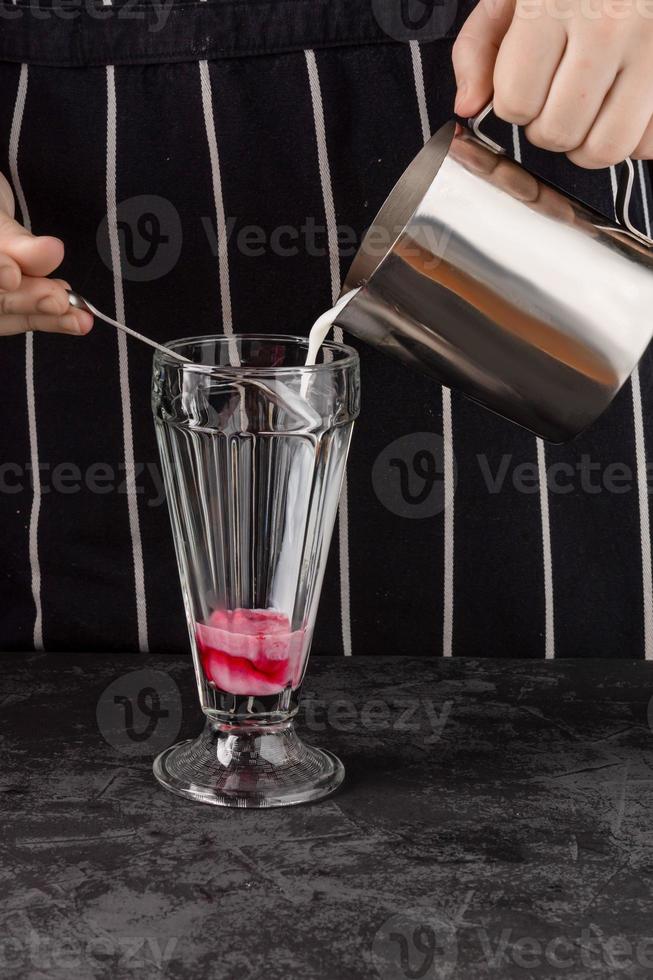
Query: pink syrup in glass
(250, 652)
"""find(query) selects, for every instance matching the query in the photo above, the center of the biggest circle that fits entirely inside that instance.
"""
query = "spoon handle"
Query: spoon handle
(80, 303)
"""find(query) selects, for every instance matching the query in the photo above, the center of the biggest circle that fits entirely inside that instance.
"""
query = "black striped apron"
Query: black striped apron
(214, 174)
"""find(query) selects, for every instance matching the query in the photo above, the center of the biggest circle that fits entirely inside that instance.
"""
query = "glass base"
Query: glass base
(248, 767)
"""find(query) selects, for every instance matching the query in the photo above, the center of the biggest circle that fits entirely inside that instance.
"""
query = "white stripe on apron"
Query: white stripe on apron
(220, 219)
(218, 200)
(447, 415)
(640, 457)
(418, 74)
(35, 566)
(644, 517)
(123, 363)
(642, 468)
(547, 557)
(334, 263)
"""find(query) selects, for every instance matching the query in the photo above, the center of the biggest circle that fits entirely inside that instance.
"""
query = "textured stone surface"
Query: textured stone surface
(496, 821)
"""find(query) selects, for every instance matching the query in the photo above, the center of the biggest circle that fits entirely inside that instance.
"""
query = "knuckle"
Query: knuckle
(512, 109)
(7, 305)
(598, 152)
(68, 323)
(56, 304)
(643, 152)
(455, 51)
(606, 28)
(551, 136)
(462, 51)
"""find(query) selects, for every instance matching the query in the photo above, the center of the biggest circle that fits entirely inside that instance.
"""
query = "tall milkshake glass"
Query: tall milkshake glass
(253, 445)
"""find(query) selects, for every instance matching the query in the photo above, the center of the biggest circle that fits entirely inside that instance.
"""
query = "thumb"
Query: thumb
(475, 53)
(28, 254)
(23, 253)
(36, 255)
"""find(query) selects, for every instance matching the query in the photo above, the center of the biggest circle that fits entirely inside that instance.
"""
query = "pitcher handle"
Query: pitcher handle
(476, 124)
(625, 181)
(622, 203)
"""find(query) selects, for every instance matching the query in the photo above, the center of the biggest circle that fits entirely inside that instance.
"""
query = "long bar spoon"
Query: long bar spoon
(83, 304)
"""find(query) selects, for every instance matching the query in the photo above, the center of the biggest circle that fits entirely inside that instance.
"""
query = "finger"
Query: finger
(474, 156)
(84, 320)
(36, 256)
(554, 204)
(498, 171)
(577, 92)
(475, 51)
(36, 296)
(526, 64)
(10, 273)
(6, 197)
(644, 149)
(621, 123)
(77, 323)
(516, 181)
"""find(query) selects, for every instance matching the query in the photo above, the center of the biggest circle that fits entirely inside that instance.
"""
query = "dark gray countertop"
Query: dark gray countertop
(496, 821)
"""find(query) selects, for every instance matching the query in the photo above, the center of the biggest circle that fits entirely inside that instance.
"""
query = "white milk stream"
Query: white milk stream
(322, 326)
(319, 332)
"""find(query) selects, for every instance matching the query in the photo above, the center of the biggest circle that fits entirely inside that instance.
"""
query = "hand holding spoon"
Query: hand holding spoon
(83, 304)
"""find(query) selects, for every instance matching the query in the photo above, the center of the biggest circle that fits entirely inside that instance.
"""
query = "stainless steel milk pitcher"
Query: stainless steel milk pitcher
(503, 287)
